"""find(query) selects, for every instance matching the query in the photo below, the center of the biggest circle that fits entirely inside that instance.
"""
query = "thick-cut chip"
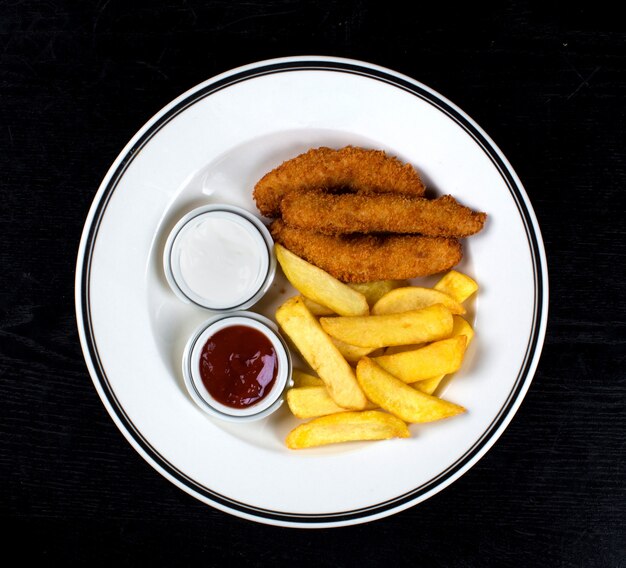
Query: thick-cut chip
(320, 286)
(438, 358)
(461, 327)
(457, 285)
(352, 353)
(429, 386)
(374, 291)
(400, 399)
(302, 379)
(419, 326)
(402, 348)
(414, 298)
(320, 353)
(347, 427)
(317, 309)
(309, 402)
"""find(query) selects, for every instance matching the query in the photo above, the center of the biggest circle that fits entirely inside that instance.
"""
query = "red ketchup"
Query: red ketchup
(238, 366)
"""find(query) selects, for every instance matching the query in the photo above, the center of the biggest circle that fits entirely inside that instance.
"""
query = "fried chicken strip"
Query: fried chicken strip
(379, 213)
(350, 168)
(364, 258)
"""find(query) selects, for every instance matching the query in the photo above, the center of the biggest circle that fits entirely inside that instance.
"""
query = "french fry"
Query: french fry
(429, 386)
(438, 358)
(347, 427)
(457, 285)
(319, 286)
(374, 291)
(419, 326)
(400, 399)
(320, 353)
(309, 402)
(402, 348)
(352, 353)
(414, 298)
(302, 379)
(317, 309)
(459, 328)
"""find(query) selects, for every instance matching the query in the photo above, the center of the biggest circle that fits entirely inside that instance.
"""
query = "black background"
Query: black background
(545, 80)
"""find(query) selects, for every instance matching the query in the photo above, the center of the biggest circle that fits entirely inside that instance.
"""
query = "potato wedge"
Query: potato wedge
(400, 399)
(428, 324)
(374, 291)
(347, 427)
(352, 353)
(317, 309)
(302, 379)
(437, 358)
(429, 386)
(320, 286)
(457, 285)
(461, 327)
(414, 298)
(402, 348)
(320, 353)
(309, 402)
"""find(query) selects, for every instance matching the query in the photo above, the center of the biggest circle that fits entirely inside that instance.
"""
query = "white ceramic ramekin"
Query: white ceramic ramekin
(244, 220)
(191, 367)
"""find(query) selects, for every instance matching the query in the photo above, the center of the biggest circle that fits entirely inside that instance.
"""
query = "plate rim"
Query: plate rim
(488, 437)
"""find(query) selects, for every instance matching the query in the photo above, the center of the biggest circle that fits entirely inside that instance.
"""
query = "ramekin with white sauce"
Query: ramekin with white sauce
(219, 257)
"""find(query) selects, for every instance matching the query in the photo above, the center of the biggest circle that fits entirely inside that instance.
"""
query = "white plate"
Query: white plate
(211, 145)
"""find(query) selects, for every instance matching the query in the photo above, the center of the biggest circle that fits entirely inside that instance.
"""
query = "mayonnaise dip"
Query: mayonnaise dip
(219, 260)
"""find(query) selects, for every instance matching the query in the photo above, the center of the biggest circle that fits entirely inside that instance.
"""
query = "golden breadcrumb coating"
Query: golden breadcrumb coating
(355, 169)
(365, 258)
(378, 213)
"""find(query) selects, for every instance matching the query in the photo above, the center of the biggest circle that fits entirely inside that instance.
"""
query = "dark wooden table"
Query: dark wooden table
(545, 80)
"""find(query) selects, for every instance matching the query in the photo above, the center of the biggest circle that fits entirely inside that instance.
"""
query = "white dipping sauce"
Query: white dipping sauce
(222, 259)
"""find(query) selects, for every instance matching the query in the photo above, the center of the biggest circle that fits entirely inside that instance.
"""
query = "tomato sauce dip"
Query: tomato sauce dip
(238, 366)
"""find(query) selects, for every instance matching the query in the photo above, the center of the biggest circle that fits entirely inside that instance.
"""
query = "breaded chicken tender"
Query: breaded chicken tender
(365, 258)
(378, 213)
(350, 168)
